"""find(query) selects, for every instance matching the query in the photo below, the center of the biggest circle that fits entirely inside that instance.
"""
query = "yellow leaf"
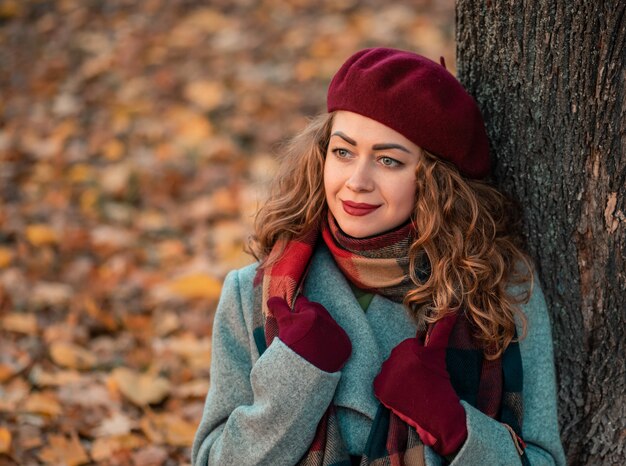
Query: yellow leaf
(72, 356)
(80, 173)
(20, 323)
(40, 235)
(6, 256)
(88, 201)
(42, 403)
(141, 389)
(63, 450)
(197, 286)
(5, 440)
(10, 9)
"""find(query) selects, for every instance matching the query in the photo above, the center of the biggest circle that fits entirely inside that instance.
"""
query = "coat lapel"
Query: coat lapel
(373, 333)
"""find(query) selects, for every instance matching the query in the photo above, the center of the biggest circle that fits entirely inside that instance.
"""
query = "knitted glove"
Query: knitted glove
(414, 383)
(311, 332)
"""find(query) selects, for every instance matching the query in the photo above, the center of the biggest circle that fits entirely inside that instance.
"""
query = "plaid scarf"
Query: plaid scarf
(380, 264)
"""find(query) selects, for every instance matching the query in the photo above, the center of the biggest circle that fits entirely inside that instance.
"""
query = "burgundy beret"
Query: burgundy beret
(419, 99)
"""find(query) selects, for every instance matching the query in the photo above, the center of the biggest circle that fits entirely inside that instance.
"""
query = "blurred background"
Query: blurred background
(137, 139)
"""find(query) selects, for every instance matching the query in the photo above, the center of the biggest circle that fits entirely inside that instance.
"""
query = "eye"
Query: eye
(389, 162)
(341, 153)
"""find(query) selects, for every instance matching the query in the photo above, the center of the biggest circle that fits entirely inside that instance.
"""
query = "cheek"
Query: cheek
(330, 178)
(403, 195)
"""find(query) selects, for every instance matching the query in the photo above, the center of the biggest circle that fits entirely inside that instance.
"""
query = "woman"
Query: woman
(381, 323)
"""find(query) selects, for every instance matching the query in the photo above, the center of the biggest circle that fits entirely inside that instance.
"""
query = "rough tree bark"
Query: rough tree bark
(550, 79)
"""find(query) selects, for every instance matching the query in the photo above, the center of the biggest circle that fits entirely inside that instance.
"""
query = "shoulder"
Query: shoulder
(237, 296)
(535, 308)
(241, 277)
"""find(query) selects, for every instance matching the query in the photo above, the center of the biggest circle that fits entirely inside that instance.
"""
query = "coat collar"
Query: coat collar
(373, 334)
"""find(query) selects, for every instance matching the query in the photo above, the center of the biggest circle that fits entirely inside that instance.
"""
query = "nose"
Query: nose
(360, 180)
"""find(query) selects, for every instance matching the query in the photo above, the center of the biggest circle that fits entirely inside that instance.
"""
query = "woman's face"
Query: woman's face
(369, 175)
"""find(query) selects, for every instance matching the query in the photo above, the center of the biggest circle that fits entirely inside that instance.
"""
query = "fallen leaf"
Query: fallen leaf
(13, 393)
(194, 389)
(51, 294)
(179, 432)
(5, 440)
(115, 425)
(80, 173)
(103, 447)
(151, 455)
(168, 428)
(39, 377)
(72, 356)
(42, 403)
(208, 95)
(28, 436)
(6, 257)
(20, 323)
(141, 389)
(113, 150)
(105, 319)
(40, 235)
(114, 178)
(12, 362)
(165, 323)
(62, 450)
(197, 285)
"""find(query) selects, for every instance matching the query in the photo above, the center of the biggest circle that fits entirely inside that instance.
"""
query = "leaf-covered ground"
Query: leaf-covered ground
(136, 139)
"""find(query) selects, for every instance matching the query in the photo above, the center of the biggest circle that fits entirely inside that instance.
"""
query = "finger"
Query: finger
(442, 329)
(301, 300)
(279, 307)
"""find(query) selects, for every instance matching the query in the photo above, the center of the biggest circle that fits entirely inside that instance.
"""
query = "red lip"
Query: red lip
(358, 208)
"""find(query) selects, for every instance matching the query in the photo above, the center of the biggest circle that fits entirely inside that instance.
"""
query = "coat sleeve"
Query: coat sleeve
(262, 412)
(488, 441)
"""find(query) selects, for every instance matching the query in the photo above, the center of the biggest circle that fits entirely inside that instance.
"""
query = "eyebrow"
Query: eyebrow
(384, 146)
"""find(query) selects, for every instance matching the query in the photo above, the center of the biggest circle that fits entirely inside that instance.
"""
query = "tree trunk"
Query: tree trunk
(550, 78)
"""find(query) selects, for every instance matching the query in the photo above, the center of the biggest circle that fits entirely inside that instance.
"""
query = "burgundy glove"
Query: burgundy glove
(311, 332)
(414, 383)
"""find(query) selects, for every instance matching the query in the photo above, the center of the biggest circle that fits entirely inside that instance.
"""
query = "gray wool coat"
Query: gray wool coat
(265, 410)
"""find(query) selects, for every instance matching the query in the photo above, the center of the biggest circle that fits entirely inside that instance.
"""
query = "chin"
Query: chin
(356, 231)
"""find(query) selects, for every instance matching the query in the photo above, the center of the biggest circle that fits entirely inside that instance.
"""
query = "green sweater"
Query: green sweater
(263, 410)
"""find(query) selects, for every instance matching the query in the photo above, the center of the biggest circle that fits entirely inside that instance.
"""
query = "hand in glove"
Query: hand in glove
(311, 332)
(414, 383)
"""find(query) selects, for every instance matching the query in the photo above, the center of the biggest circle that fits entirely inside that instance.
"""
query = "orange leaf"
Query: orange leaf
(5, 440)
(63, 450)
(197, 286)
(206, 94)
(168, 428)
(40, 235)
(6, 256)
(20, 323)
(104, 447)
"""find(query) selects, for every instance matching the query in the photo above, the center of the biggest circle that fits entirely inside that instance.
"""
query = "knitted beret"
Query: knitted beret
(419, 99)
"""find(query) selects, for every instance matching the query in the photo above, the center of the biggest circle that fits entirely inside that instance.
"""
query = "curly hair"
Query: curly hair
(466, 228)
